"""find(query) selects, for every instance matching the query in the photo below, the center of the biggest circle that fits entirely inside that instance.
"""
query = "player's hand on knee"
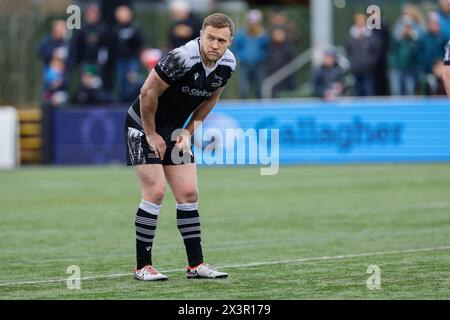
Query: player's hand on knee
(183, 141)
(157, 144)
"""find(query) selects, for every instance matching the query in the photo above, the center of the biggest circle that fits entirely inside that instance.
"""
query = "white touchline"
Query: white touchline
(245, 265)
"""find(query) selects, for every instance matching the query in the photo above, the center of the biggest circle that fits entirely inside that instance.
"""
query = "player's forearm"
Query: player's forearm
(202, 111)
(152, 89)
(149, 105)
(199, 115)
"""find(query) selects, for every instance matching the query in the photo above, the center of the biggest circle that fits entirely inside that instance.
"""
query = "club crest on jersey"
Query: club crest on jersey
(218, 81)
(196, 75)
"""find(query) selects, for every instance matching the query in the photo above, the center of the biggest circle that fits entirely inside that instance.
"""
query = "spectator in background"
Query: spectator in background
(281, 52)
(89, 44)
(251, 48)
(279, 19)
(53, 51)
(108, 9)
(381, 72)
(91, 89)
(417, 21)
(404, 59)
(54, 43)
(444, 17)
(434, 81)
(126, 44)
(431, 46)
(55, 82)
(186, 25)
(362, 50)
(327, 78)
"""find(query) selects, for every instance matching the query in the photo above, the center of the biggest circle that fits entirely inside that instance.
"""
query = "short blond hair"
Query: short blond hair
(219, 20)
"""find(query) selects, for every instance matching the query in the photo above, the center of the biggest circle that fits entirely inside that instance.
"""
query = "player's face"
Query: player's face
(214, 42)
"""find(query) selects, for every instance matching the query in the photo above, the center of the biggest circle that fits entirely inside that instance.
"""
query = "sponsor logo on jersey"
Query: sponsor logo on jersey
(196, 92)
(227, 60)
(200, 93)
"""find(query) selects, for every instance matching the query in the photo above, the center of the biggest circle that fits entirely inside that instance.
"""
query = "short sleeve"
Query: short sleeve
(172, 66)
(229, 64)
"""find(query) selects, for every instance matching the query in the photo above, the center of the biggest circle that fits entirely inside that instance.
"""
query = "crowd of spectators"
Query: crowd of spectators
(107, 60)
(404, 60)
(108, 63)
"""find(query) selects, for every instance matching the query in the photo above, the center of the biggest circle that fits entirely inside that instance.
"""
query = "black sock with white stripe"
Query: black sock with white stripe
(188, 223)
(145, 223)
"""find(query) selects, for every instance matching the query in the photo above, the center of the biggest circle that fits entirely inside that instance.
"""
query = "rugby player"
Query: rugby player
(186, 82)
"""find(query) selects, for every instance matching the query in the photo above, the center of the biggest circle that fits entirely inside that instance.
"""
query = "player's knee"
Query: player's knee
(158, 193)
(154, 194)
(190, 195)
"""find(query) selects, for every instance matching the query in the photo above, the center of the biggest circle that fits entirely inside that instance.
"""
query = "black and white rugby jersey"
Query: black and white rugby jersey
(190, 84)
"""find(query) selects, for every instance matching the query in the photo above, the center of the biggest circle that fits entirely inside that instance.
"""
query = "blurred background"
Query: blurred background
(299, 49)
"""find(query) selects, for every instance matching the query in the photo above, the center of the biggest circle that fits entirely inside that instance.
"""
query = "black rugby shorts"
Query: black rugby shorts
(139, 152)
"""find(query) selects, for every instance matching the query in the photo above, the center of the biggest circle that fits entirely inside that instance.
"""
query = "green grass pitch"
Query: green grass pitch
(309, 232)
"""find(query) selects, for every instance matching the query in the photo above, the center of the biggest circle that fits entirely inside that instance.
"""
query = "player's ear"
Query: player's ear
(231, 41)
(201, 32)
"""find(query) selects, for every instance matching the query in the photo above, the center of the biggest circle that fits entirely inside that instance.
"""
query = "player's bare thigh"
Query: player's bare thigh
(183, 182)
(152, 182)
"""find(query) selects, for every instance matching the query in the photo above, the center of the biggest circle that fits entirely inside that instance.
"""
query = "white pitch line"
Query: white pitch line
(246, 265)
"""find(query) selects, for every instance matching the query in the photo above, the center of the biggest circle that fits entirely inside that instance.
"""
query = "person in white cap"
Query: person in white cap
(186, 24)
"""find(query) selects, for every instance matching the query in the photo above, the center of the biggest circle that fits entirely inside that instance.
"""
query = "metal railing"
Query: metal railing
(284, 72)
(299, 62)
